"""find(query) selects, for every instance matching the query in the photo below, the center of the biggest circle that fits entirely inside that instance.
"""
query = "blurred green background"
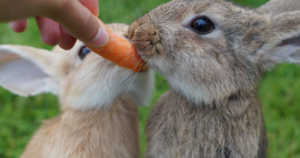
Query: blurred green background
(20, 117)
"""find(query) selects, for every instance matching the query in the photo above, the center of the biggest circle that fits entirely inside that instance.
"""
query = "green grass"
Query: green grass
(20, 117)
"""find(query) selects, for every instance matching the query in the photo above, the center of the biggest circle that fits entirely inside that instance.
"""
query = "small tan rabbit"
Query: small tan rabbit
(213, 54)
(99, 117)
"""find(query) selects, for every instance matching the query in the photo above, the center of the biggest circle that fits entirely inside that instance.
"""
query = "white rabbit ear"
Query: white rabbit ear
(283, 42)
(27, 71)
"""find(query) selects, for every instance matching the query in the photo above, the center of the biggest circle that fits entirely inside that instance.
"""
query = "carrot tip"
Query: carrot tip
(120, 51)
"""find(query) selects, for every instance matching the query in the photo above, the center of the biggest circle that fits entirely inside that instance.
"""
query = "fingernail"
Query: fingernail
(101, 38)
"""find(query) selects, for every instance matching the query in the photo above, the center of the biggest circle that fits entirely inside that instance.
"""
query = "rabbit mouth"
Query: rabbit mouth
(146, 49)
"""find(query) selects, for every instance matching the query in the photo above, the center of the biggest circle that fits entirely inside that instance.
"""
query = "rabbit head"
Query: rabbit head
(211, 50)
(81, 78)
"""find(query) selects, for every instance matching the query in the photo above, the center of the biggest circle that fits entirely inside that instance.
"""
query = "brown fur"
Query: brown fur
(233, 131)
(111, 133)
(275, 7)
(98, 100)
(102, 130)
(212, 110)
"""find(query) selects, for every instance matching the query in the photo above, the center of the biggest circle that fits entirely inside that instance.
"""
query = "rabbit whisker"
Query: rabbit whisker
(136, 14)
(139, 6)
(127, 89)
(89, 71)
(132, 73)
(143, 11)
(126, 79)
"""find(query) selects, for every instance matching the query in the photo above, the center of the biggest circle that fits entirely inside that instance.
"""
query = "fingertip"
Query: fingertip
(82, 24)
(100, 39)
(50, 38)
(67, 45)
(49, 30)
(18, 26)
(51, 41)
(66, 41)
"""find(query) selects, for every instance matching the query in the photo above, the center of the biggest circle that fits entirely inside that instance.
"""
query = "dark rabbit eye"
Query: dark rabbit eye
(83, 52)
(202, 26)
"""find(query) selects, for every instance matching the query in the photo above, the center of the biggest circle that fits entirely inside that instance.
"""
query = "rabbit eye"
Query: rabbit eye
(202, 26)
(83, 52)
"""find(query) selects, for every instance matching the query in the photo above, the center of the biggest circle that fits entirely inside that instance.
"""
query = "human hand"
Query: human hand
(59, 21)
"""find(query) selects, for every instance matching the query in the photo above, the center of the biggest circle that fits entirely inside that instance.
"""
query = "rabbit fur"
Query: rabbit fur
(212, 109)
(98, 99)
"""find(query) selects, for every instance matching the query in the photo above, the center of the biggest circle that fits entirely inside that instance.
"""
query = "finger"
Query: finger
(81, 23)
(92, 5)
(49, 30)
(66, 40)
(18, 26)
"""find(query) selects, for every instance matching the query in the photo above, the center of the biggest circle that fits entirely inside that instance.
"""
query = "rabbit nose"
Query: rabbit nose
(146, 33)
(154, 38)
(145, 36)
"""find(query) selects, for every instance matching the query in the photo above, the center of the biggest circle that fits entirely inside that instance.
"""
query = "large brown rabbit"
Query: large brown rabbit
(98, 99)
(213, 54)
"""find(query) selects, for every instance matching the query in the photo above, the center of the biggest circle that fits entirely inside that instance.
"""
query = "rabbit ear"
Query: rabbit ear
(283, 42)
(275, 7)
(27, 71)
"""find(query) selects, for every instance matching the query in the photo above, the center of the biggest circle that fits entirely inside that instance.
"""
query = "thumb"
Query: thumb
(80, 23)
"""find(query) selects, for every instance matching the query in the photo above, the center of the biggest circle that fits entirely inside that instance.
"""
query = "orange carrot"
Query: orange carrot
(120, 51)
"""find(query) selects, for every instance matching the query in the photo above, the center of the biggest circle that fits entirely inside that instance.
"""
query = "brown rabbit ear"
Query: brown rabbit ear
(275, 7)
(283, 42)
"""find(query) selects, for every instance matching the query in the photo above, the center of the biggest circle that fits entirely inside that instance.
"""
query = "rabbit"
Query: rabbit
(99, 117)
(213, 54)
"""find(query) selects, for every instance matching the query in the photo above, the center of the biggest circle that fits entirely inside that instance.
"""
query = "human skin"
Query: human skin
(59, 21)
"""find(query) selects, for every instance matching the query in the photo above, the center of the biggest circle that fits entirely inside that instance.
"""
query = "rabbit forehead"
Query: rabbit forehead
(177, 10)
